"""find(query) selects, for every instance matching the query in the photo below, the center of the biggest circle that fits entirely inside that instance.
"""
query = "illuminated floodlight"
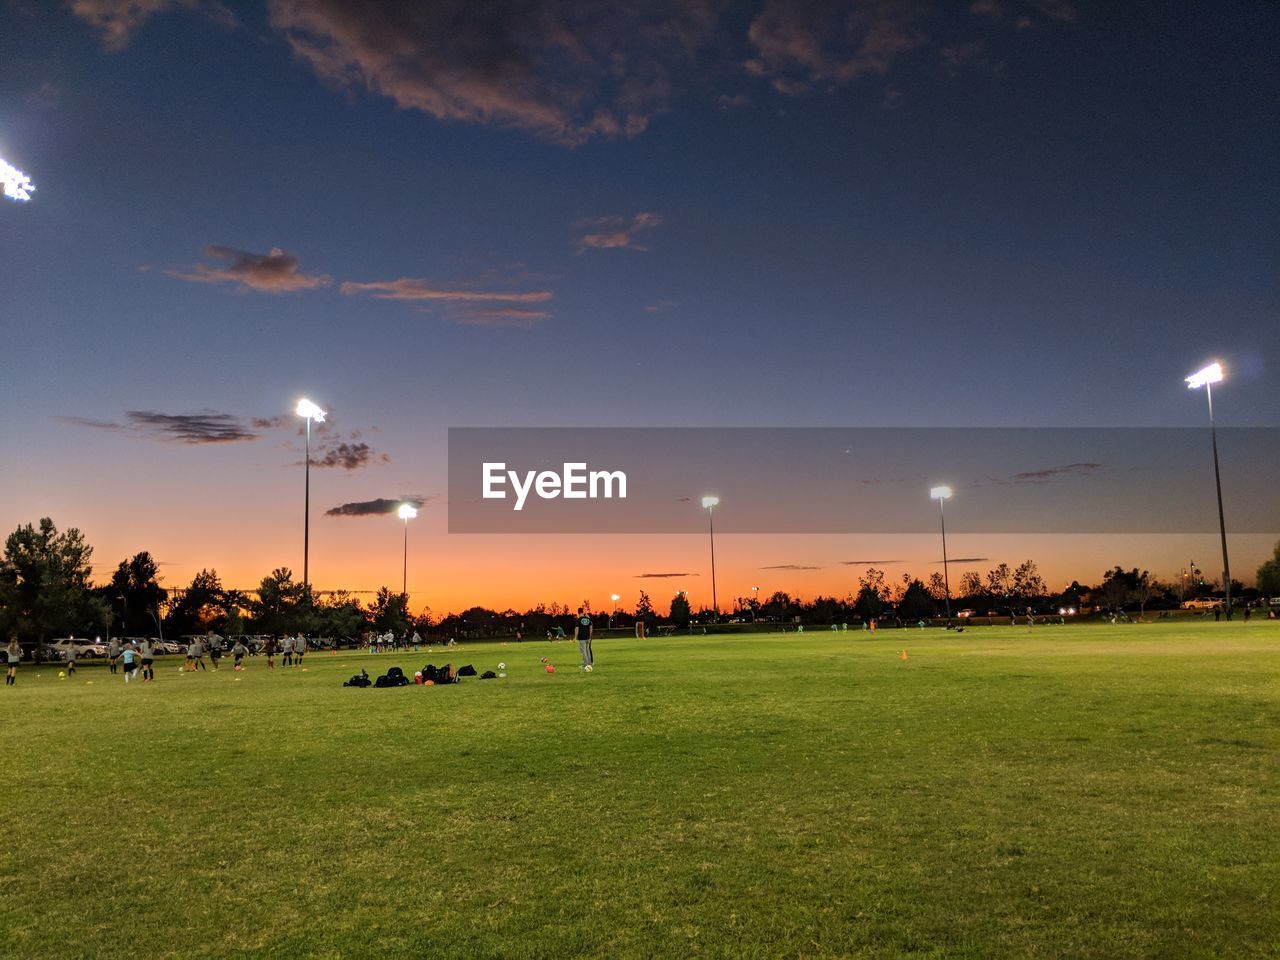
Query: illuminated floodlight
(407, 511)
(1213, 373)
(940, 493)
(15, 184)
(615, 597)
(309, 410)
(709, 502)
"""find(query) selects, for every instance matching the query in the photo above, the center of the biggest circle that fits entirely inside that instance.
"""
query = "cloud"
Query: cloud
(201, 427)
(379, 507)
(659, 306)
(614, 233)
(662, 576)
(951, 560)
(868, 563)
(735, 101)
(803, 43)
(274, 272)
(349, 456)
(971, 55)
(1049, 474)
(116, 20)
(563, 70)
(463, 304)
(790, 566)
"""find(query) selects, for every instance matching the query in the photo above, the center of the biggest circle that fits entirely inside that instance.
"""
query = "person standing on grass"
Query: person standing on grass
(12, 654)
(271, 652)
(286, 647)
(215, 650)
(239, 650)
(196, 650)
(582, 630)
(299, 648)
(147, 653)
(113, 653)
(130, 657)
(71, 661)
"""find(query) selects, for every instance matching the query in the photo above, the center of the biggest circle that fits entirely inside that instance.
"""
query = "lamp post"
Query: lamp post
(709, 504)
(406, 513)
(755, 603)
(943, 494)
(15, 184)
(614, 598)
(1206, 378)
(309, 411)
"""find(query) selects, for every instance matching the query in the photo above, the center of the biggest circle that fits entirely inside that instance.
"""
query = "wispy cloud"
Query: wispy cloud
(790, 566)
(662, 576)
(951, 560)
(201, 427)
(464, 304)
(659, 306)
(1047, 475)
(380, 507)
(274, 272)
(615, 233)
(868, 563)
(116, 20)
(349, 456)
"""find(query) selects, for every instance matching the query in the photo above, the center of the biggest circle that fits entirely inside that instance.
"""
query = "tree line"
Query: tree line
(46, 591)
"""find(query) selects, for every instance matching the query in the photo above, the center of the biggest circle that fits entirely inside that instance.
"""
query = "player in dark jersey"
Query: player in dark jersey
(582, 630)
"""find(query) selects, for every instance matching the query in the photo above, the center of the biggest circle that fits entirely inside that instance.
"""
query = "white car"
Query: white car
(85, 649)
(1201, 603)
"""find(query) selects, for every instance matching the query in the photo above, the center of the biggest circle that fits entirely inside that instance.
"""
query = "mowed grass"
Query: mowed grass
(1106, 791)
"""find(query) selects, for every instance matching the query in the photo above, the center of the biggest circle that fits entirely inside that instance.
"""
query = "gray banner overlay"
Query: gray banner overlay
(861, 480)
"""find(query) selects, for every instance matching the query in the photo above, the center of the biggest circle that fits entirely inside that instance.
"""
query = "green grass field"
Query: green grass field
(1107, 791)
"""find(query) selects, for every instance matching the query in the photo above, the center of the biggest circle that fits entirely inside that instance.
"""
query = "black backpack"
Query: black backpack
(361, 679)
(467, 671)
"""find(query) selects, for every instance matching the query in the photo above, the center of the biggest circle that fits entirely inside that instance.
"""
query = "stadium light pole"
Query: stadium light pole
(942, 495)
(406, 513)
(1207, 377)
(755, 603)
(709, 504)
(614, 598)
(309, 411)
(15, 184)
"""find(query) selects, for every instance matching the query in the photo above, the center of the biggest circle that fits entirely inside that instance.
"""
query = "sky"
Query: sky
(870, 213)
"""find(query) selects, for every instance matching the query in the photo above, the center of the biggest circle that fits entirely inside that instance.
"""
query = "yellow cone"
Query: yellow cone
(904, 654)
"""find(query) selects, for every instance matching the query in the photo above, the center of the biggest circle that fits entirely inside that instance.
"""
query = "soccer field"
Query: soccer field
(1104, 791)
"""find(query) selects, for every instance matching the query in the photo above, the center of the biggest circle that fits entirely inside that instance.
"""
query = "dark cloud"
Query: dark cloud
(349, 456)
(373, 508)
(1049, 474)
(204, 426)
(565, 70)
(790, 566)
(951, 560)
(662, 576)
(868, 563)
(614, 233)
(274, 272)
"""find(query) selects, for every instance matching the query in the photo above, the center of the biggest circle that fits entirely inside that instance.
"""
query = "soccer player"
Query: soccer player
(239, 650)
(271, 653)
(71, 661)
(195, 654)
(582, 631)
(299, 648)
(130, 657)
(215, 649)
(147, 652)
(12, 654)
(286, 647)
(113, 653)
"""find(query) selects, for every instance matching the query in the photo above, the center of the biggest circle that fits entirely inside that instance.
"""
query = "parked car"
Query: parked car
(965, 614)
(41, 653)
(1201, 603)
(85, 649)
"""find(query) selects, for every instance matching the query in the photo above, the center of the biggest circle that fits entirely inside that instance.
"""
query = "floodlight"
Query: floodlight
(15, 184)
(1213, 373)
(407, 511)
(309, 410)
(940, 493)
(709, 502)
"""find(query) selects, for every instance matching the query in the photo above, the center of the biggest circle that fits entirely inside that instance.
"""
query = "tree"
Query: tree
(680, 613)
(971, 585)
(390, 611)
(1027, 582)
(340, 616)
(1000, 583)
(282, 606)
(644, 610)
(44, 584)
(916, 602)
(1269, 574)
(937, 586)
(135, 595)
(201, 607)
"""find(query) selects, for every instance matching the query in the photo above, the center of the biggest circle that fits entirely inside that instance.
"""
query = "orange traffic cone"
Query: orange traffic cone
(904, 654)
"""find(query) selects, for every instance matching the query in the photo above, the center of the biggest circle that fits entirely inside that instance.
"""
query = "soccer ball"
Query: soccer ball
(551, 668)
(62, 675)
(590, 668)
(502, 666)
